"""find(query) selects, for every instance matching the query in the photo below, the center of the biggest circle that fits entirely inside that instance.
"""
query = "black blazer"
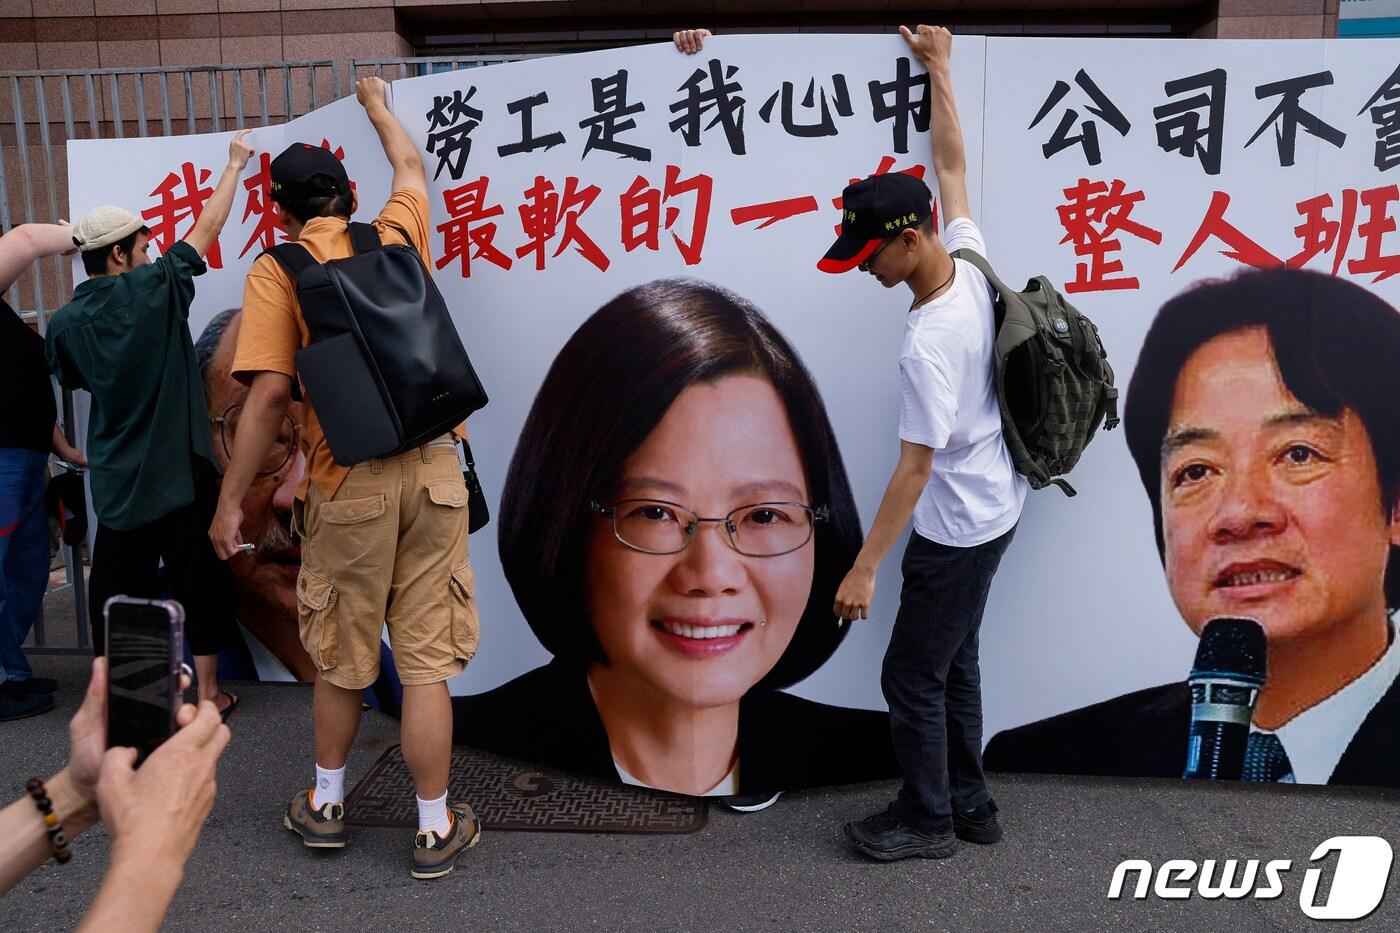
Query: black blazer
(547, 716)
(1143, 734)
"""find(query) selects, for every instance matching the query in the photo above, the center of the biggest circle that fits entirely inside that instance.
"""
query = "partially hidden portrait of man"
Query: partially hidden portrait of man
(674, 524)
(1264, 419)
(270, 648)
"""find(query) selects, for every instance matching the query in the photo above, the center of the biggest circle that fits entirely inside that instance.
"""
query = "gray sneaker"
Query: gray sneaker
(434, 855)
(319, 828)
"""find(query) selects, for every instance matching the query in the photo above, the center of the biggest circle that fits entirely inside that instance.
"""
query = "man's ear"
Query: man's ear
(1395, 522)
(354, 201)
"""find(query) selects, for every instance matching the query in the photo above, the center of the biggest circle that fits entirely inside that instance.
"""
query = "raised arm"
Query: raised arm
(398, 148)
(933, 47)
(30, 242)
(205, 232)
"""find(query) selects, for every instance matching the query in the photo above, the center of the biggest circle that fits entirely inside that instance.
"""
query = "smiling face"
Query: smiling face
(702, 626)
(1270, 511)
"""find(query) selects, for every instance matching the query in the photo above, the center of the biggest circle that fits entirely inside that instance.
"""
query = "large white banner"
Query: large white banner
(1125, 170)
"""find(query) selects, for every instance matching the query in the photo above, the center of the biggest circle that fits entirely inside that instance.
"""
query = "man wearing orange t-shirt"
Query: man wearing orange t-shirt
(383, 541)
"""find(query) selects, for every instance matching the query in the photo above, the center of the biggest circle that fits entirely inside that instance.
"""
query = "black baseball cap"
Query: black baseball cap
(872, 210)
(308, 169)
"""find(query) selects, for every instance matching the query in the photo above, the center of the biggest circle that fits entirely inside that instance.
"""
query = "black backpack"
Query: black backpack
(1054, 384)
(386, 369)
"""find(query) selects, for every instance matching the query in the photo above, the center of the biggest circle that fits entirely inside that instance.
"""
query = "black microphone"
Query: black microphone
(1231, 665)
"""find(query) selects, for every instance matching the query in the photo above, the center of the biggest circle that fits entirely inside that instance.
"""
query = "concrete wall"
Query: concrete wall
(1271, 19)
(81, 34)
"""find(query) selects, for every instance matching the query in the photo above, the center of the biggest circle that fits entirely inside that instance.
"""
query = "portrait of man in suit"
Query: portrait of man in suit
(267, 578)
(1264, 419)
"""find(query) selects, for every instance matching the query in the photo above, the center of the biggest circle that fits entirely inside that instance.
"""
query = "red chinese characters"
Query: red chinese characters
(470, 233)
(1093, 216)
(1322, 231)
(182, 195)
(773, 211)
(1239, 247)
(268, 229)
(1377, 224)
(641, 205)
(544, 210)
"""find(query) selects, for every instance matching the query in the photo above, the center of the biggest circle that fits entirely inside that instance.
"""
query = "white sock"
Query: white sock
(432, 815)
(330, 787)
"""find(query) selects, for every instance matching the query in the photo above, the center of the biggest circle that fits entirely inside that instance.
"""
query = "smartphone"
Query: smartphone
(145, 647)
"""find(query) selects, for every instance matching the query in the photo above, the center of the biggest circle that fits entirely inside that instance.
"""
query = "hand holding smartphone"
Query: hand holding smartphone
(145, 646)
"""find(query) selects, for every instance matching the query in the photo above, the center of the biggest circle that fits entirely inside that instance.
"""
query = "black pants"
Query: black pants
(128, 563)
(931, 679)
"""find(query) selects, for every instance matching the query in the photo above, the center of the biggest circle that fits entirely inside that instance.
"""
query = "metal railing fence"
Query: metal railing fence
(44, 109)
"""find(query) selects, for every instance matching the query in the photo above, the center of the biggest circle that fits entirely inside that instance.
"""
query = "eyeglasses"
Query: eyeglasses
(763, 529)
(278, 455)
(869, 260)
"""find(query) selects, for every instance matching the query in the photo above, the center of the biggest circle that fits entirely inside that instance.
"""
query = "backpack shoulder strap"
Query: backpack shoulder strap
(979, 262)
(293, 257)
(407, 240)
(364, 238)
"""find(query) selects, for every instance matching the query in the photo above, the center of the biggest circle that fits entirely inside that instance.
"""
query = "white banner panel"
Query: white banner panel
(1124, 170)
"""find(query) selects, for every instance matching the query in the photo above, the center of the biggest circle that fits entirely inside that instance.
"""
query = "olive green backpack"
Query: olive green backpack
(1054, 384)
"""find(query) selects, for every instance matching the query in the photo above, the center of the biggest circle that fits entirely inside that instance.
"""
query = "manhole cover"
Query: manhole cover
(512, 795)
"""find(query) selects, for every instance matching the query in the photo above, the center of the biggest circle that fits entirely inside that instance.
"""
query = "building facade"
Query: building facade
(86, 34)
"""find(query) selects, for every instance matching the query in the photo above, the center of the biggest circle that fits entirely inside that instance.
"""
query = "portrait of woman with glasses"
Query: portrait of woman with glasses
(674, 524)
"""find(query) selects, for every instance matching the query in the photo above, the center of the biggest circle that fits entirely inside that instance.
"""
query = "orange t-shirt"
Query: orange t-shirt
(273, 330)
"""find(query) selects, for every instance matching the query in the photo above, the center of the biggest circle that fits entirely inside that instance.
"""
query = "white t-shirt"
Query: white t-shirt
(949, 403)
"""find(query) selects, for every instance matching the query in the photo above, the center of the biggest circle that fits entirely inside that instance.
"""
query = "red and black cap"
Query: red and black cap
(873, 210)
(310, 170)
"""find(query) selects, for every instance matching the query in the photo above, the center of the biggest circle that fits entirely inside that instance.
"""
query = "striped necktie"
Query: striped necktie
(1265, 759)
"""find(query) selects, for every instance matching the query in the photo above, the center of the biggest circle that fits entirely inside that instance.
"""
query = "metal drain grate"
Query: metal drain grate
(513, 795)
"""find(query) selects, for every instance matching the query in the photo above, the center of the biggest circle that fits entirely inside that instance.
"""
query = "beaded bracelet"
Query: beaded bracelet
(58, 840)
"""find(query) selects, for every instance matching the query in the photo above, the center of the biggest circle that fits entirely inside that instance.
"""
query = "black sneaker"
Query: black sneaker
(750, 803)
(979, 825)
(885, 838)
(17, 704)
(32, 685)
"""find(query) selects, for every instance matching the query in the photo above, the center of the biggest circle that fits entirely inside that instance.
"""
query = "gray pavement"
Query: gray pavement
(784, 869)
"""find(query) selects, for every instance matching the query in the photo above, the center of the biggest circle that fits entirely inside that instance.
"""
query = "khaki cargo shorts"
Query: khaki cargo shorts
(389, 548)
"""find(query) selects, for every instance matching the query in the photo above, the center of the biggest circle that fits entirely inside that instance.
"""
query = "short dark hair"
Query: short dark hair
(316, 199)
(608, 388)
(95, 260)
(1336, 344)
(207, 346)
